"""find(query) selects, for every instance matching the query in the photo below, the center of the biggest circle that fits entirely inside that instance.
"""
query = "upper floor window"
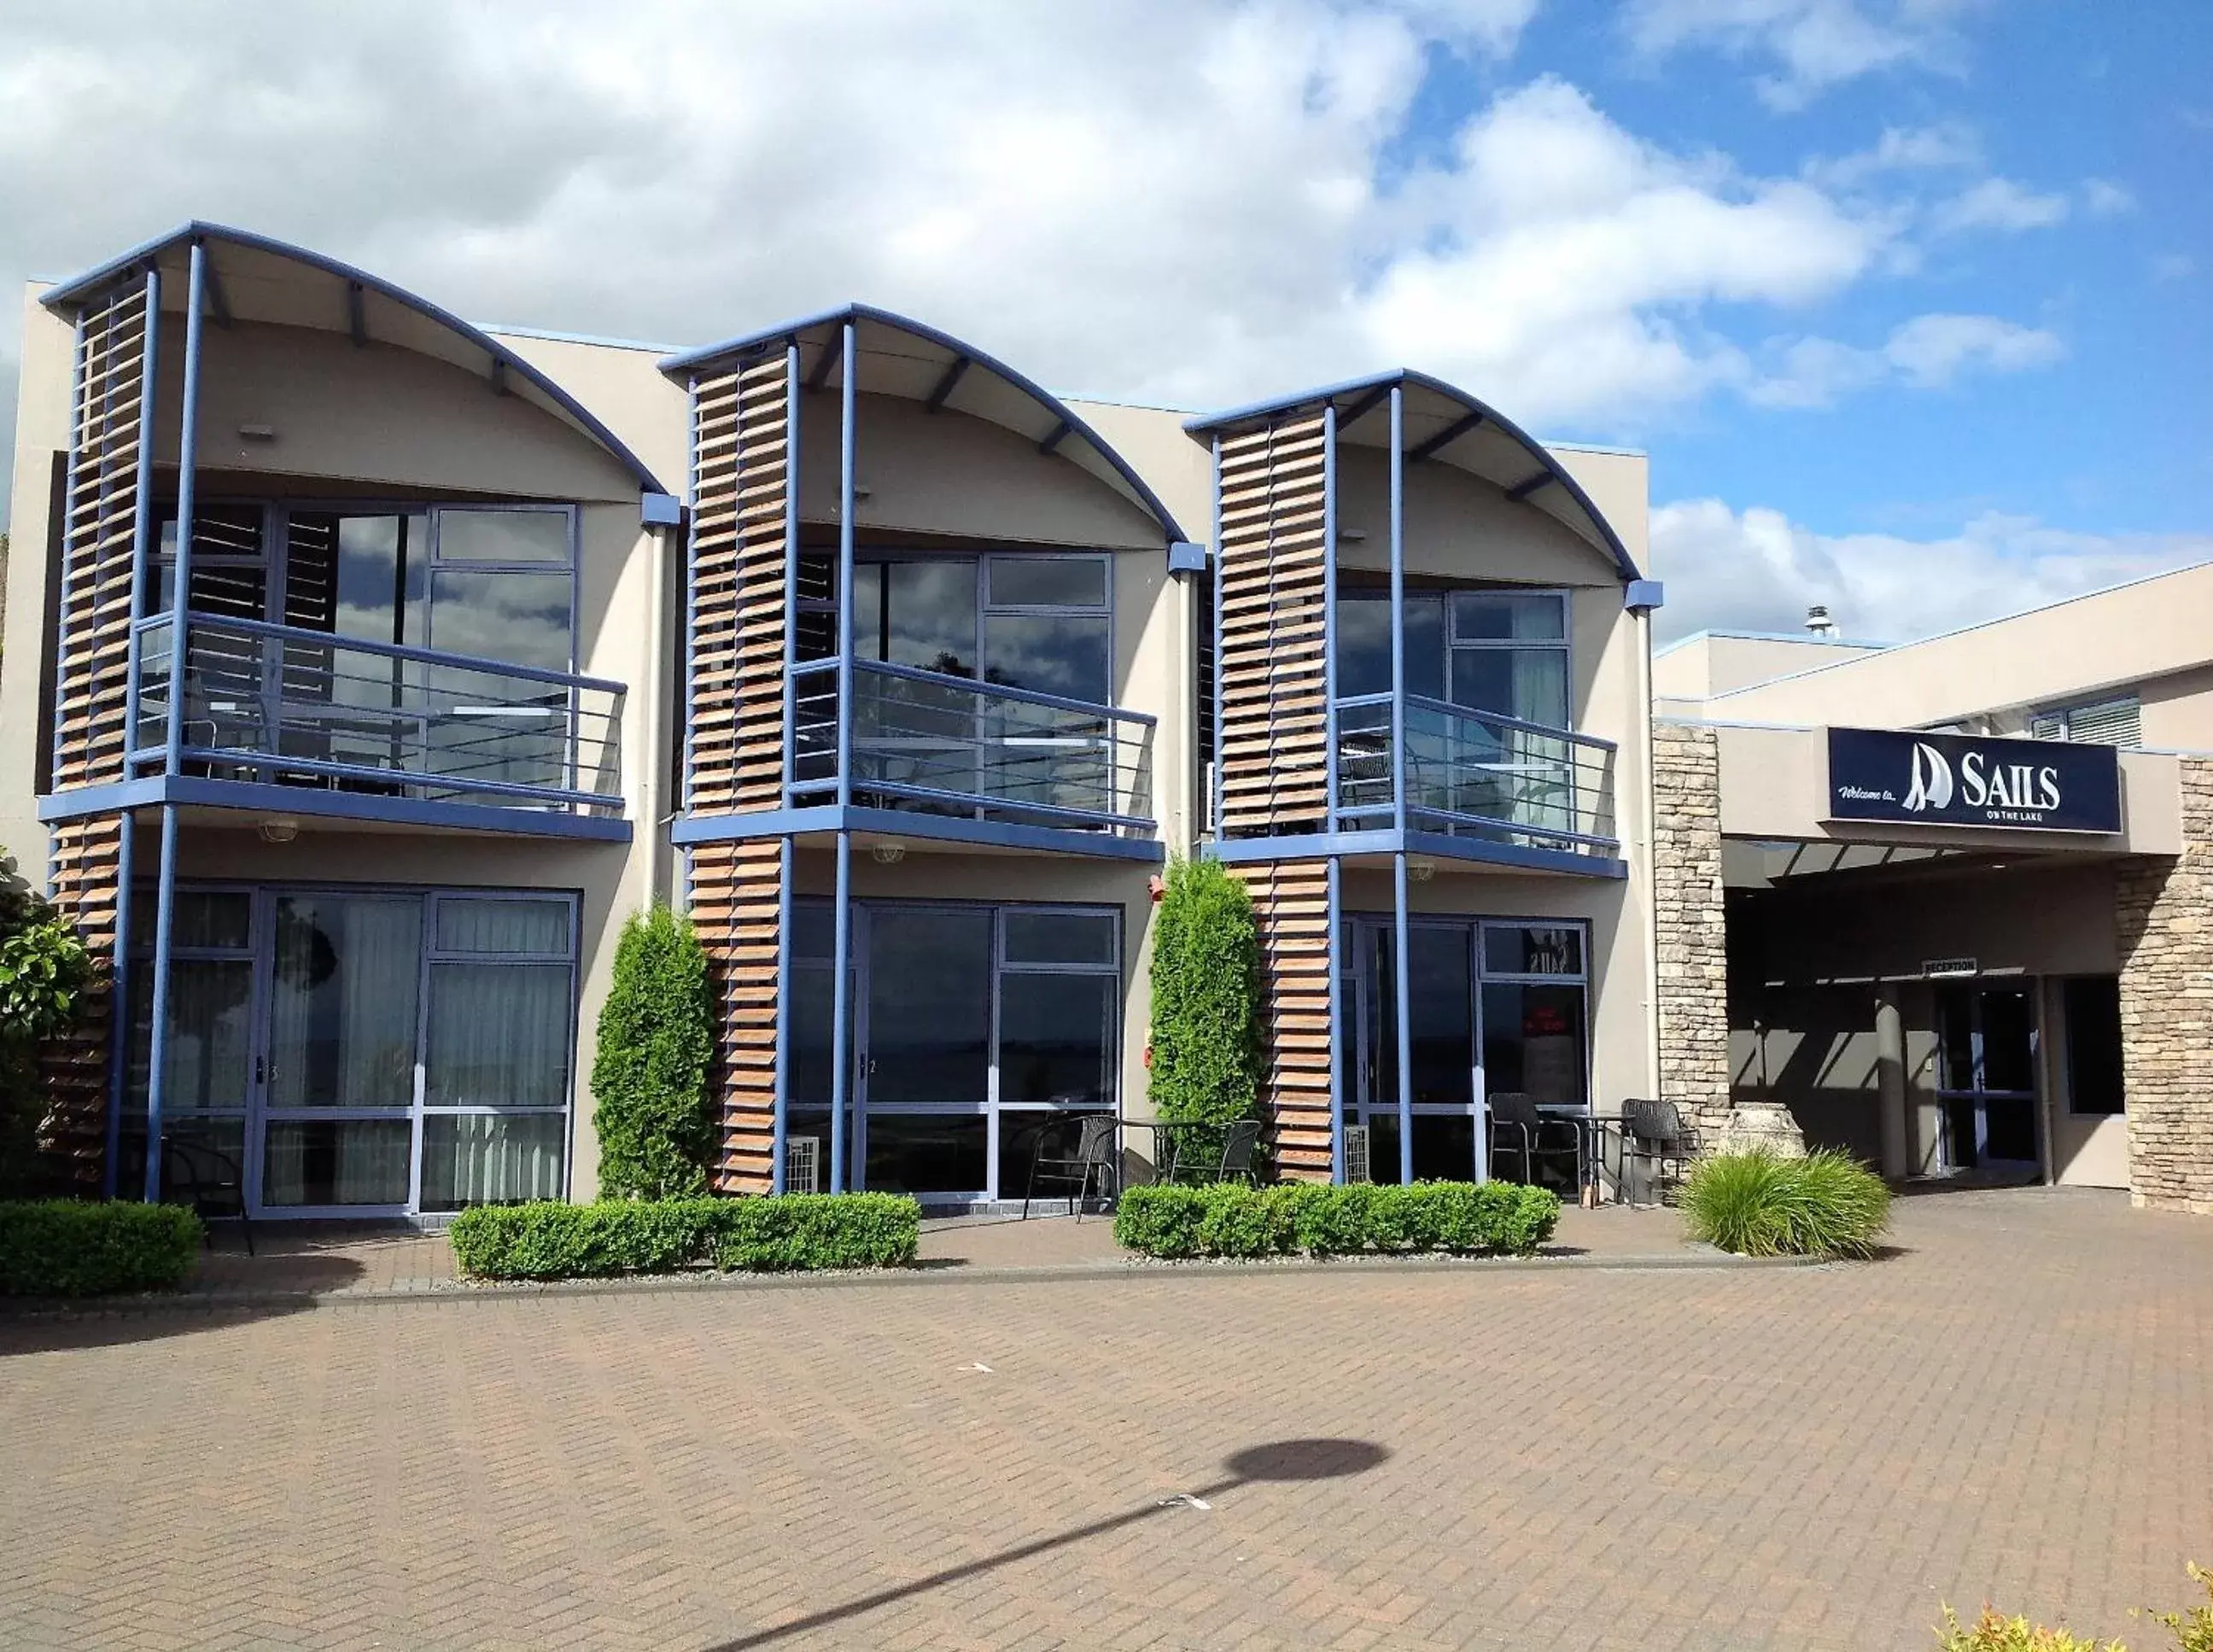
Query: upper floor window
(2115, 721)
(1503, 652)
(496, 582)
(1041, 621)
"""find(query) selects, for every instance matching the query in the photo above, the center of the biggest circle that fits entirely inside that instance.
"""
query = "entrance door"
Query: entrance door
(924, 1079)
(1987, 1039)
(1447, 1094)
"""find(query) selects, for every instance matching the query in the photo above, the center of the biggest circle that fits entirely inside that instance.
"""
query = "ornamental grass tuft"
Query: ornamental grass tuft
(1759, 1203)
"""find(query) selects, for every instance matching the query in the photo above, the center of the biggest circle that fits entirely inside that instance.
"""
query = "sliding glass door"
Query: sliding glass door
(1496, 1007)
(980, 1033)
(365, 1051)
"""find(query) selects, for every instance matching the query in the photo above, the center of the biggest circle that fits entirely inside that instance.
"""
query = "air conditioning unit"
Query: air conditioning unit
(1356, 1154)
(802, 1164)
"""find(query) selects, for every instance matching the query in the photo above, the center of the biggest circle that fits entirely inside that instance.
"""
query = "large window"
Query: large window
(979, 1031)
(1503, 652)
(364, 1050)
(1041, 621)
(496, 582)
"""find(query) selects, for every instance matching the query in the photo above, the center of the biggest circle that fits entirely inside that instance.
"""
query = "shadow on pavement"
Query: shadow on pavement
(1275, 1460)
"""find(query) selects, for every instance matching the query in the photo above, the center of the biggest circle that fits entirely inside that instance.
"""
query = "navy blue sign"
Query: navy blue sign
(2052, 785)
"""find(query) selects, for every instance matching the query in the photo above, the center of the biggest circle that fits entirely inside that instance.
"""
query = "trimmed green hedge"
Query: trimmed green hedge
(73, 1247)
(794, 1232)
(1230, 1220)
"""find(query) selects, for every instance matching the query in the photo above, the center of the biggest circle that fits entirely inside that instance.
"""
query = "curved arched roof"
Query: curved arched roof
(901, 357)
(1444, 422)
(255, 279)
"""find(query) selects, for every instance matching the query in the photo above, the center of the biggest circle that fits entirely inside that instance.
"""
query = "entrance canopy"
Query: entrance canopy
(1444, 422)
(898, 356)
(252, 277)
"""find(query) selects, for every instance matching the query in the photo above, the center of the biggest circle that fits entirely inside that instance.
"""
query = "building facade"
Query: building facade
(1961, 884)
(365, 670)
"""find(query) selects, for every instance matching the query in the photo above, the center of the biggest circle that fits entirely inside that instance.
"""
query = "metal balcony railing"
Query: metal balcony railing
(923, 741)
(1475, 774)
(283, 704)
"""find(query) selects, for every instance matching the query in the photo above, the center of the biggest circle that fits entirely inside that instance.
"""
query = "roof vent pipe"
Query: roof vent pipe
(1817, 620)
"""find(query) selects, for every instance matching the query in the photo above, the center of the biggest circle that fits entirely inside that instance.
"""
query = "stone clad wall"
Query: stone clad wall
(1687, 839)
(2163, 910)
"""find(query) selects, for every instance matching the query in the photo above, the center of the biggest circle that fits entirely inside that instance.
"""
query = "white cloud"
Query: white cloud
(1757, 570)
(1812, 45)
(2173, 266)
(1191, 201)
(1946, 146)
(1928, 352)
(2000, 203)
(2104, 198)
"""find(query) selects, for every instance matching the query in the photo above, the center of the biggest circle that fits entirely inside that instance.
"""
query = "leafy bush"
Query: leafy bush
(1991, 1633)
(73, 1247)
(2192, 1628)
(1757, 1204)
(43, 970)
(649, 1077)
(548, 1239)
(1229, 1219)
(1205, 984)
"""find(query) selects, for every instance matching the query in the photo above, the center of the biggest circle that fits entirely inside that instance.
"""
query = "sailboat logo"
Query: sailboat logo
(1932, 780)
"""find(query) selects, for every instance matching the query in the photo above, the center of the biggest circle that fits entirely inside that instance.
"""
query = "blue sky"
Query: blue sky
(1906, 299)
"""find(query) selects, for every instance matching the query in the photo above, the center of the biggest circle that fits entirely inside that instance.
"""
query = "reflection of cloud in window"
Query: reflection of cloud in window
(520, 617)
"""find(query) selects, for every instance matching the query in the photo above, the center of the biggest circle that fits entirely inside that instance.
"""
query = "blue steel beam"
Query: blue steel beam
(1220, 570)
(691, 599)
(841, 1010)
(165, 902)
(187, 468)
(1360, 409)
(1444, 438)
(1528, 484)
(357, 314)
(946, 386)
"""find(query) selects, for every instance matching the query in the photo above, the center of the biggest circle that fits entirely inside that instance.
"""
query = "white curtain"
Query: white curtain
(490, 1158)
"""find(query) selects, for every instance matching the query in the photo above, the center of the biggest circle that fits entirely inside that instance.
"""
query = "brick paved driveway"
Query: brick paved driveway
(2021, 1403)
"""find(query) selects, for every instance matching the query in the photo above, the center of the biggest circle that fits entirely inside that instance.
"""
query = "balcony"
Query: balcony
(1475, 776)
(373, 730)
(925, 744)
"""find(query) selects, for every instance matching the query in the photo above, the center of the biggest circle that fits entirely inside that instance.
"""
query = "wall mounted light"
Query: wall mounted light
(1420, 871)
(887, 854)
(257, 433)
(279, 829)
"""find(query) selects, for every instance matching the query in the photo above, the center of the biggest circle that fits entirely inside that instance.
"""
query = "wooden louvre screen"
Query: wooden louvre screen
(741, 436)
(92, 676)
(74, 1066)
(1290, 905)
(1270, 673)
(735, 895)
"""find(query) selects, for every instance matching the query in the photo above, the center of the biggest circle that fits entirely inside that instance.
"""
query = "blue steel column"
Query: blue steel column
(691, 607)
(1403, 1012)
(1329, 611)
(1336, 1021)
(142, 520)
(841, 1010)
(787, 854)
(841, 992)
(188, 437)
(165, 900)
(118, 1001)
(1214, 820)
(1401, 974)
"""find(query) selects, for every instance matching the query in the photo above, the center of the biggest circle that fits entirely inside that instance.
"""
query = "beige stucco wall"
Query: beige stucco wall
(625, 388)
(1687, 674)
(42, 417)
(2068, 651)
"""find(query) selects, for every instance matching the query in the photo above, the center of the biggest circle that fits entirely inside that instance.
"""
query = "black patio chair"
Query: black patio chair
(1095, 1157)
(211, 1181)
(1239, 1139)
(1653, 1133)
(1519, 1128)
